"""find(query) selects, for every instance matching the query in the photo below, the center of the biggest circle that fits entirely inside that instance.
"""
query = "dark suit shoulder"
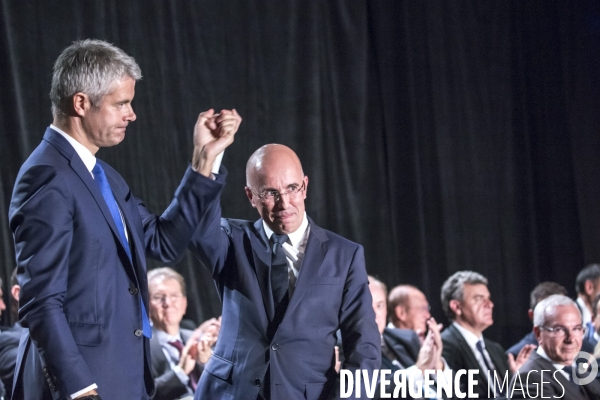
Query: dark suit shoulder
(405, 336)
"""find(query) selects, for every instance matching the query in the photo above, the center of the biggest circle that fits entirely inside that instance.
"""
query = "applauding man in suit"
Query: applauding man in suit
(287, 286)
(81, 237)
(178, 355)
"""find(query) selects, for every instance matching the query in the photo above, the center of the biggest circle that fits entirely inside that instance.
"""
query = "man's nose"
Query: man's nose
(131, 115)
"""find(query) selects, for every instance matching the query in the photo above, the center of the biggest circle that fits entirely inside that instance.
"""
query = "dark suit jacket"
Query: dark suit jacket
(168, 386)
(459, 355)
(553, 383)
(331, 292)
(80, 292)
(404, 345)
(9, 343)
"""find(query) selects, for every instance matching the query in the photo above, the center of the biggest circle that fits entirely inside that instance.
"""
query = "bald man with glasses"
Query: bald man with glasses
(287, 286)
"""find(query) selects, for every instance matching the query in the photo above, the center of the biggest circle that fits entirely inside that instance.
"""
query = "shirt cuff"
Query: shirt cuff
(217, 163)
(93, 386)
(180, 374)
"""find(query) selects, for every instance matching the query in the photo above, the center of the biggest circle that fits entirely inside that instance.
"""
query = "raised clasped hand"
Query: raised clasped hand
(213, 133)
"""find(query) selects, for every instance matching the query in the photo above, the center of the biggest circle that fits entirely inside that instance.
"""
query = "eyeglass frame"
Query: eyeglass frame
(278, 194)
(161, 299)
(556, 331)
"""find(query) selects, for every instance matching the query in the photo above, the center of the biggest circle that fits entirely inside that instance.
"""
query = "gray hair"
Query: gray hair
(92, 67)
(453, 289)
(547, 306)
(167, 273)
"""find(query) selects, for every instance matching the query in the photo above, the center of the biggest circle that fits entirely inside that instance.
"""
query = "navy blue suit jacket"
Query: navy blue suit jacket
(331, 293)
(80, 292)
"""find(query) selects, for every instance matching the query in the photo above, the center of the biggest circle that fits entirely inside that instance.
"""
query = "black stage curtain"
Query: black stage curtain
(442, 136)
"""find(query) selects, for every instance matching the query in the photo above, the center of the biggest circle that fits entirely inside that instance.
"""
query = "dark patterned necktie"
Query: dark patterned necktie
(279, 269)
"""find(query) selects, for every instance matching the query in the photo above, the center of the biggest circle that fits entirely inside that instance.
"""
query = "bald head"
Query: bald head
(269, 157)
(276, 187)
(409, 308)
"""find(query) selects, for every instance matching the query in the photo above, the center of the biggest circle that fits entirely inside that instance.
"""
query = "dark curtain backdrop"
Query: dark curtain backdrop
(442, 136)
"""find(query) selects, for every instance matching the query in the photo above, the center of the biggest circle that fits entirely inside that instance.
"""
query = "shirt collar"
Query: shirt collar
(586, 315)
(542, 353)
(294, 237)
(469, 336)
(164, 338)
(89, 160)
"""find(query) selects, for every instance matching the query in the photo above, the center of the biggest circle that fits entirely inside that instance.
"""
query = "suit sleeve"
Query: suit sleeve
(166, 237)
(9, 344)
(210, 242)
(360, 336)
(42, 223)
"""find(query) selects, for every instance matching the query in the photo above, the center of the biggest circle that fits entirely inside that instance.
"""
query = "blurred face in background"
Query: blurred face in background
(167, 304)
(474, 312)
(562, 338)
(379, 305)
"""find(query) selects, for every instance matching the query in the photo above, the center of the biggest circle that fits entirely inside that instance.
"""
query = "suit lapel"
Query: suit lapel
(471, 361)
(497, 358)
(262, 264)
(65, 148)
(572, 391)
(315, 251)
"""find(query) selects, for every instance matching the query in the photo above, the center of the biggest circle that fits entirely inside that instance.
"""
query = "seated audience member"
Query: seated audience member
(549, 372)
(401, 348)
(9, 340)
(178, 355)
(466, 302)
(539, 293)
(587, 285)
(409, 309)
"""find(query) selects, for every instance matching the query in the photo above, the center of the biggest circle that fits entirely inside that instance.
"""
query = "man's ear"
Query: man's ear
(455, 307)
(15, 290)
(589, 288)
(250, 196)
(537, 331)
(400, 312)
(305, 185)
(81, 103)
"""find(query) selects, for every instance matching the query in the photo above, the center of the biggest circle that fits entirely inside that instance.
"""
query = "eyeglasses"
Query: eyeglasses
(422, 309)
(161, 298)
(562, 331)
(271, 195)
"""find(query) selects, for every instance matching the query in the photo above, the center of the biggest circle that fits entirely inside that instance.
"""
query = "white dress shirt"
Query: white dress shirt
(586, 315)
(295, 251)
(173, 355)
(542, 353)
(472, 340)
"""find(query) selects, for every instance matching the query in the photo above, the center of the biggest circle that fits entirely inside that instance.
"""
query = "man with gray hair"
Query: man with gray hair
(551, 370)
(81, 237)
(467, 303)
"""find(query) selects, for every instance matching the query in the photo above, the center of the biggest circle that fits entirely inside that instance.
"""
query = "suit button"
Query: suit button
(138, 332)
(257, 382)
(274, 347)
(133, 290)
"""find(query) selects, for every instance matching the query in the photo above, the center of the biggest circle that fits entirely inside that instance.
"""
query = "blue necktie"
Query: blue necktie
(109, 199)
